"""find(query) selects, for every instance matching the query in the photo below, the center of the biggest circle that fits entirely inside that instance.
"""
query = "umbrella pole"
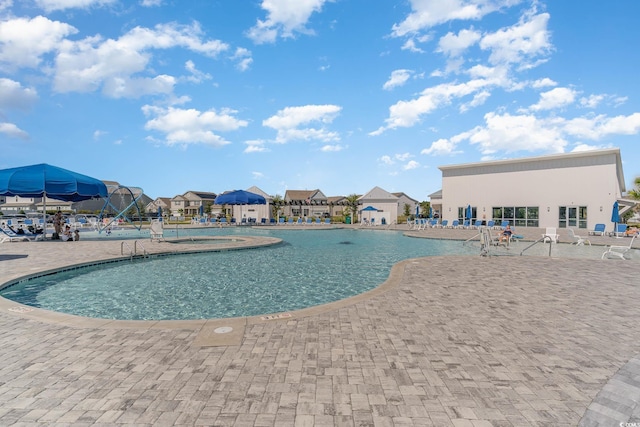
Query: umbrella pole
(44, 216)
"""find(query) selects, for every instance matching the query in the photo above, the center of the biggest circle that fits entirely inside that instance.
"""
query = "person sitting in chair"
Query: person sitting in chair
(66, 235)
(506, 234)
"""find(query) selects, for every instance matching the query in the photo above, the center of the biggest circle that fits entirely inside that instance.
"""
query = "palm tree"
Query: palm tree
(635, 193)
(276, 205)
(352, 206)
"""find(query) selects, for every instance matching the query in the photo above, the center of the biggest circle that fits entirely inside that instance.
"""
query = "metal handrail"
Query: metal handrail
(122, 245)
(544, 239)
(135, 248)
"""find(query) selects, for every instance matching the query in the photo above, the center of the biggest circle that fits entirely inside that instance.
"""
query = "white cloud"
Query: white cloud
(190, 126)
(243, 56)
(255, 146)
(555, 98)
(387, 160)
(592, 101)
(412, 164)
(52, 5)
(196, 76)
(545, 82)
(521, 43)
(332, 148)
(14, 95)
(257, 175)
(428, 13)
(397, 78)
(150, 3)
(24, 41)
(408, 113)
(5, 4)
(12, 131)
(88, 64)
(478, 99)
(441, 147)
(98, 134)
(291, 121)
(455, 44)
(284, 18)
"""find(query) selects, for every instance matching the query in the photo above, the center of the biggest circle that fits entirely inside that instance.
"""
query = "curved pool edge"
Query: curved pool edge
(36, 259)
(207, 327)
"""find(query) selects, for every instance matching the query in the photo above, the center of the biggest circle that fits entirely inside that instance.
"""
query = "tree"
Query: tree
(276, 205)
(407, 210)
(635, 193)
(424, 208)
(352, 207)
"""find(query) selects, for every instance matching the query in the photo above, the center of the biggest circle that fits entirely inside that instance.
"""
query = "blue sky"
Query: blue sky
(342, 95)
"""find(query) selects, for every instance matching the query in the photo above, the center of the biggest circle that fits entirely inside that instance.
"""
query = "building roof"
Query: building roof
(378, 194)
(401, 194)
(304, 195)
(201, 194)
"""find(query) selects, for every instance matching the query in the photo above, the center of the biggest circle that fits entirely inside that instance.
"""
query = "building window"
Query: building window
(572, 216)
(519, 216)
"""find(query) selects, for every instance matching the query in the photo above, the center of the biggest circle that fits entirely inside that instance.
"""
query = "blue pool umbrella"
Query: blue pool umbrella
(201, 210)
(240, 197)
(43, 180)
(468, 213)
(615, 215)
(159, 213)
(417, 211)
(430, 212)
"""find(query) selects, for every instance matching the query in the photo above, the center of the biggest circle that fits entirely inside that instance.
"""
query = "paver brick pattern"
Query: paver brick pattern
(459, 341)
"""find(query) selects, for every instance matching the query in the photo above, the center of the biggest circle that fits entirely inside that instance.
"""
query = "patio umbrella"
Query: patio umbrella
(43, 180)
(159, 213)
(370, 209)
(239, 197)
(468, 213)
(201, 210)
(417, 211)
(615, 216)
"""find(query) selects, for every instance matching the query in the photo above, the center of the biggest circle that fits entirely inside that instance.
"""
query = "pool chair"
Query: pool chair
(619, 231)
(309, 221)
(577, 240)
(223, 221)
(551, 234)
(466, 223)
(156, 232)
(281, 220)
(617, 251)
(272, 221)
(299, 222)
(233, 221)
(263, 221)
(8, 235)
(318, 220)
(598, 230)
(491, 224)
(444, 223)
(290, 220)
(327, 221)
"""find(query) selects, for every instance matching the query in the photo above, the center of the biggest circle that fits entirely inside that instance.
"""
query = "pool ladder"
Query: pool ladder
(133, 251)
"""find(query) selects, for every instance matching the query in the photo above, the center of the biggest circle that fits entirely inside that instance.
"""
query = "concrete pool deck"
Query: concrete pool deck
(446, 341)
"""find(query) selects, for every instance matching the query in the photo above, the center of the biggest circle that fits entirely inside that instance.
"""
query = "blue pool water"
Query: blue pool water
(309, 268)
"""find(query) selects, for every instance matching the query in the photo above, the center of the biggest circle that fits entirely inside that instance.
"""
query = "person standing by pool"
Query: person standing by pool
(57, 226)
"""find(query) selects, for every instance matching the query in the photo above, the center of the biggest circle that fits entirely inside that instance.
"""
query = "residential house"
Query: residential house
(385, 204)
(190, 203)
(163, 203)
(306, 203)
(403, 200)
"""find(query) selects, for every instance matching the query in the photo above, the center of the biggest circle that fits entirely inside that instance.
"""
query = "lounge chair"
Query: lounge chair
(466, 223)
(491, 224)
(551, 233)
(318, 220)
(444, 223)
(8, 235)
(309, 221)
(455, 224)
(272, 221)
(156, 232)
(281, 220)
(263, 221)
(618, 251)
(223, 221)
(578, 240)
(477, 224)
(290, 221)
(619, 231)
(598, 230)
(299, 222)
(327, 221)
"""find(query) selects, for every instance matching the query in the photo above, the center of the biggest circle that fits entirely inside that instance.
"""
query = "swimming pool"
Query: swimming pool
(310, 267)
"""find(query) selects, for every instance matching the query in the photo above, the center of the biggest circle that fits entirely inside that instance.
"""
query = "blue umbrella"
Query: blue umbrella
(417, 211)
(201, 210)
(615, 216)
(159, 213)
(240, 197)
(468, 213)
(43, 180)
(430, 212)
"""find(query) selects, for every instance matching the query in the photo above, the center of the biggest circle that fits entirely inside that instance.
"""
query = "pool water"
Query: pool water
(310, 267)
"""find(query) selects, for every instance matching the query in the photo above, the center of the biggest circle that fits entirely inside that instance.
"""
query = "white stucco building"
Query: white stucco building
(564, 190)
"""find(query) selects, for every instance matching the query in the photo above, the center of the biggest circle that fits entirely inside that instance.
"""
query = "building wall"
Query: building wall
(594, 184)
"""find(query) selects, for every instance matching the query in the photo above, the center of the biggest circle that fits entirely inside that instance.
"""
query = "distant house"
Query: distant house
(385, 203)
(306, 203)
(403, 200)
(189, 203)
(254, 211)
(336, 205)
(163, 203)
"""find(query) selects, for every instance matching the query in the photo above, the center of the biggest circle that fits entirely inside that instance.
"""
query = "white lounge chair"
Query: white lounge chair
(551, 233)
(8, 235)
(618, 251)
(578, 240)
(157, 230)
